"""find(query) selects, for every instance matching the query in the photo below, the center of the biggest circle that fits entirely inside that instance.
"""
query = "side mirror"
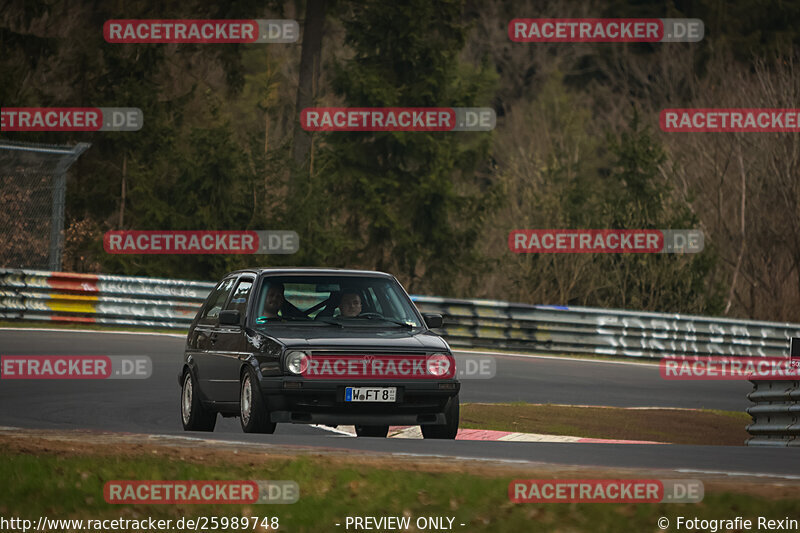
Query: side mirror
(230, 318)
(433, 321)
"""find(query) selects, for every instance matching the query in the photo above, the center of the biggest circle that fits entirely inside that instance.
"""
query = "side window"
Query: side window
(217, 299)
(240, 295)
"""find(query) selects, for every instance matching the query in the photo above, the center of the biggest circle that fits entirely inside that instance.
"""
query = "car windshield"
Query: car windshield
(331, 300)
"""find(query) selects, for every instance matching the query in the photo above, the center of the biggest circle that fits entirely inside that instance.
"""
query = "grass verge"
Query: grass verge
(64, 480)
(675, 426)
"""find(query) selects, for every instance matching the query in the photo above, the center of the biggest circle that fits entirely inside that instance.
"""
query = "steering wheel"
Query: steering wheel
(370, 315)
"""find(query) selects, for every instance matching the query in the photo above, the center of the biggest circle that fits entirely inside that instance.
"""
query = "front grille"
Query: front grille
(365, 353)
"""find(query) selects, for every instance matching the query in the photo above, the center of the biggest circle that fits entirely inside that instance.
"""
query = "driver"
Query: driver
(274, 300)
(350, 306)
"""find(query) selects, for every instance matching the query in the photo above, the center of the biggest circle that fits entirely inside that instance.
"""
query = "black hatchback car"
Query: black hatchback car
(317, 346)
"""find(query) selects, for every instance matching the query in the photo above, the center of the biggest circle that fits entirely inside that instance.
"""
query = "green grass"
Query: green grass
(675, 426)
(59, 486)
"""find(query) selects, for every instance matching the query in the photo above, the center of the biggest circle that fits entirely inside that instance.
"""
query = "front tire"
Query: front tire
(194, 416)
(253, 412)
(372, 431)
(449, 429)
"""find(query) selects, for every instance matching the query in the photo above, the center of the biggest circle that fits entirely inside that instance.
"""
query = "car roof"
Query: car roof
(308, 271)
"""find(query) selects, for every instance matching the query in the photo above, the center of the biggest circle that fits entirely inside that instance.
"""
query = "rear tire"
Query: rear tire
(372, 431)
(253, 413)
(194, 416)
(449, 429)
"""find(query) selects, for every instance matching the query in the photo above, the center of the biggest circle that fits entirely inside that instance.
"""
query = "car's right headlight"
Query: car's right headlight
(297, 362)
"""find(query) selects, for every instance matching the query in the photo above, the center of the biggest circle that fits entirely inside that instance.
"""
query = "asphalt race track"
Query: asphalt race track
(151, 406)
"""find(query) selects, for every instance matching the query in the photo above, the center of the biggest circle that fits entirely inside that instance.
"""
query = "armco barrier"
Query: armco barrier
(776, 415)
(582, 330)
(165, 303)
(100, 299)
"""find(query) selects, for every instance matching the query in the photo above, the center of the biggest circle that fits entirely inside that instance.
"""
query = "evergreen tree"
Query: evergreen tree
(637, 196)
(409, 202)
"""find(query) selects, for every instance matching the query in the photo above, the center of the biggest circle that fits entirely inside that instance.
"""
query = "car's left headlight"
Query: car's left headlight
(440, 365)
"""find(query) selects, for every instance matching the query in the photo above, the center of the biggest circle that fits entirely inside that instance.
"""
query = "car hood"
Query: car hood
(355, 338)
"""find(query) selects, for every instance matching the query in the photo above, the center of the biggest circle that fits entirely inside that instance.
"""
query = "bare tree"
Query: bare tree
(308, 81)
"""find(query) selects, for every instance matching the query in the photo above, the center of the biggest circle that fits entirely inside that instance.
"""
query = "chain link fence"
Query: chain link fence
(32, 194)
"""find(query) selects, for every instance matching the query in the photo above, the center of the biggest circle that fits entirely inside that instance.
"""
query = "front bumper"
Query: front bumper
(305, 401)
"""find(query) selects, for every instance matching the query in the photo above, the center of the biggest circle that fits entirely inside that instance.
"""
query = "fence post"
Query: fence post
(59, 201)
(33, 178)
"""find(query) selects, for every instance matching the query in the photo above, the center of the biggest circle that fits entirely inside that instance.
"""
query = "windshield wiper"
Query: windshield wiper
(268, 320)
(393, 321)
(328, 321)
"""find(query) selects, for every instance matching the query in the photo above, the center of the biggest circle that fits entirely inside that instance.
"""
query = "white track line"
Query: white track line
(559, 358)
(644, 408)
(335, 431)
(727, 473)
(67, 330)
(500, 354)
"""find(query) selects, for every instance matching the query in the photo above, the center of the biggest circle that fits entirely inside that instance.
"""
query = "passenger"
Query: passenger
(350, 306)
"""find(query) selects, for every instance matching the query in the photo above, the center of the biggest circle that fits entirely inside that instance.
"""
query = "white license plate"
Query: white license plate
(370, 394)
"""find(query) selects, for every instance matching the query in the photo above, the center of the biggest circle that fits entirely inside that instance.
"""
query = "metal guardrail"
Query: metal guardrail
(166, 303)
(776, 415)
(100, 299)
(583, 330)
